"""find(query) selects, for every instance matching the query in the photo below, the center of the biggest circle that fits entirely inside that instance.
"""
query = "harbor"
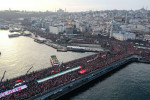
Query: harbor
(62, 48)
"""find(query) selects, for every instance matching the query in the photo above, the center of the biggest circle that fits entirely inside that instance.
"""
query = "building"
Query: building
(60, 11)
(77, 24)
(56, 29)
(112, 27)
(69, 30)
(122, 36)
(82, 28)
(146, 37)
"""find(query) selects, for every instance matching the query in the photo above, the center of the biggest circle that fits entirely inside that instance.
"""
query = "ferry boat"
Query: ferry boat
(54, 61)
(13, 35)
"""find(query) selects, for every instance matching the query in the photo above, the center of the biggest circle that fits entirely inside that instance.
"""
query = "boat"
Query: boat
(13, 35)
(40, 40)
(27, 34)
(54, 61)
(63, 49)
(5, 27)
(11, 30)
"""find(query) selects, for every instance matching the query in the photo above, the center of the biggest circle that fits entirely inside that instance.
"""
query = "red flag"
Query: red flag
(82, 71)
(18, 81)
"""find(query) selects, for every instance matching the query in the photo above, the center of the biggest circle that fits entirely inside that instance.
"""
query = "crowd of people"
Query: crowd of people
(117, 50)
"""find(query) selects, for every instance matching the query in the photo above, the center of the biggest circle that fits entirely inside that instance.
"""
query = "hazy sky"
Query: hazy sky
(73, 5)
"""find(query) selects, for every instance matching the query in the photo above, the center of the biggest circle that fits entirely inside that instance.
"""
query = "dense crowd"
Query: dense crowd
(117, 50)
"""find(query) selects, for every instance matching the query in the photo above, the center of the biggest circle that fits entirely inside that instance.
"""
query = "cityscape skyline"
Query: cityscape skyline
(74, 6)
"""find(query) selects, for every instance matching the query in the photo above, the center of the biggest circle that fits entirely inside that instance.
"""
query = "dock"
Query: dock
(84, 49)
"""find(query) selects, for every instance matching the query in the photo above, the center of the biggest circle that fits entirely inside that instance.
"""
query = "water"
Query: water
(20, 53)
(130, 83)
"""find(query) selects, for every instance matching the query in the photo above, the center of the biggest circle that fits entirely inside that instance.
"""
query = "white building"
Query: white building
(122, 36)
(56, 29)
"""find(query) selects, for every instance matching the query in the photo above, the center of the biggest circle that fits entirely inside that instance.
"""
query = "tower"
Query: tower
(111, 29)
(126, 19)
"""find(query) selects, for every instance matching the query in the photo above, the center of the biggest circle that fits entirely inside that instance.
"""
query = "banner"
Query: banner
(12, 91)
(58, 74)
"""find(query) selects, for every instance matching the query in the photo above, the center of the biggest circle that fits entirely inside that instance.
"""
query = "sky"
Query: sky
(73, 5)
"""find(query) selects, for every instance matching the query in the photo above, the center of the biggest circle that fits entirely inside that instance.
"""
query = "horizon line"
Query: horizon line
(71, 11)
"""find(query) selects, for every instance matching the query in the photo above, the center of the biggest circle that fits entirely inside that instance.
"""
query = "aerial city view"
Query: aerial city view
(75, 50)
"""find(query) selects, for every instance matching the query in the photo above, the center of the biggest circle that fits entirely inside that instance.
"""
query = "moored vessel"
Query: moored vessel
(13, 35)
(54, 61)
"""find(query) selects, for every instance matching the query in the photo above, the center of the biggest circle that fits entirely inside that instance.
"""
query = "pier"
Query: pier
(84, 49)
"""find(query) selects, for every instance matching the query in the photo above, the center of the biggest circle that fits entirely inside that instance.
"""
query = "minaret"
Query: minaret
(111, 29)
(111, 26)
(126, 19)
(9, 9)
